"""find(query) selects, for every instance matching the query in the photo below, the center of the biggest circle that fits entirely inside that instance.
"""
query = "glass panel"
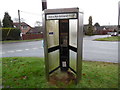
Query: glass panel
(73, 56)
(52, 33)
(53, 60)
(73, 32)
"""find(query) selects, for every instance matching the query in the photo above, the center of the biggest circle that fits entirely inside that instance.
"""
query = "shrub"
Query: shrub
(10, 34)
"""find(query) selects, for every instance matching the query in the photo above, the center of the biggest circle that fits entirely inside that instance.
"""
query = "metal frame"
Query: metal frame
(45, 48)
(78, 50)
(79, 46)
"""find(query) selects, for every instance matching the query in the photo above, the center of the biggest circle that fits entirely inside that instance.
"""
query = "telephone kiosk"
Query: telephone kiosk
(63, 39)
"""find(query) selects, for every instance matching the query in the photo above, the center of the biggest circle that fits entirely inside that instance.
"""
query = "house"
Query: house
(112, 28)
(33, 33)
(35, 30)
(24, 27)
(105, 29)
(101, 30)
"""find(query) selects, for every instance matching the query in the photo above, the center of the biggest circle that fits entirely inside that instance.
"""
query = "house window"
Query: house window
(24, 27)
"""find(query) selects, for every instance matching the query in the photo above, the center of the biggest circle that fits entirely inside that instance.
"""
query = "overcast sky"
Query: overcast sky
(104, 12)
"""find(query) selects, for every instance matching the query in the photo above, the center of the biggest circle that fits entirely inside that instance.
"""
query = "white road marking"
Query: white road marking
(34, 48)
(2, 53)
(26, 49)
(40, 47)
(19, 50)
(10, 51)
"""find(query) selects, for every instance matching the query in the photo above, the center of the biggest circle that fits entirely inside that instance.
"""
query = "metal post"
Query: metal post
(79, 46)
(44, 4)
(118, 17)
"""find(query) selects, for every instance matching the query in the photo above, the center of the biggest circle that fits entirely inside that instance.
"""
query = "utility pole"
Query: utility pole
(19, 18)
(19, 23)
(118, 17)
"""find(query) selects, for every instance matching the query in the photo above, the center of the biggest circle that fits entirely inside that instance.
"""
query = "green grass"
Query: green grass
(29, 72)
(0, 71)
(113, 38)
(20, 40)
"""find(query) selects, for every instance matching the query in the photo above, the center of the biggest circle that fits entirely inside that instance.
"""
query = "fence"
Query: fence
(102, 32)
(31, 36)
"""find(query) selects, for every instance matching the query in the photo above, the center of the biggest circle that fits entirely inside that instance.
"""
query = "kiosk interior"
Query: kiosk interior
(63, 38)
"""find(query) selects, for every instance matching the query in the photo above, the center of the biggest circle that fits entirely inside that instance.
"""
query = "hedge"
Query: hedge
(10, 34)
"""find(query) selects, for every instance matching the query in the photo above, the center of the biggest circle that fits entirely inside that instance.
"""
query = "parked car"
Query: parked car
(43, 43)
(114, 34)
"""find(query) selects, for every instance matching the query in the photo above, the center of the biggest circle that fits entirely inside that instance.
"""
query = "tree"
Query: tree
(0, 31)
(90, 26)
(97, 24)
(8, 31)
(10, 34)
(38, 23)
(7, 22)
(0, 24)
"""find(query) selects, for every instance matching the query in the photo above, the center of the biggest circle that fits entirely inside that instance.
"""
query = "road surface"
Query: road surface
(92, 50)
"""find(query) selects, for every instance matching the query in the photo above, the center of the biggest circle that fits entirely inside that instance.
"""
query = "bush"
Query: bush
(10, 34)
(0, 34)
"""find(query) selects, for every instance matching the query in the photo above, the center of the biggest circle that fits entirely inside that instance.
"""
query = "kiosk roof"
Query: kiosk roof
(62, 10)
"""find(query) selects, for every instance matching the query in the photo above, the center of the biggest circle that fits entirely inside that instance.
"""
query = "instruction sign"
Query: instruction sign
(62, 16)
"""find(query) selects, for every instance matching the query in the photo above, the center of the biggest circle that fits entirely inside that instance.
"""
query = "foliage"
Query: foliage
(29, 72)
(0, 34)
(90, 27)
(10, 34)
(0, 31)
(7, 22)
(0, 24)
(113, 38)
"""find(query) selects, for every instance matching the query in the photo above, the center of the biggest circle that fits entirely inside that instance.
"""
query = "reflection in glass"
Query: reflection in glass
(52, 27)
(53, 60)
(73, 56)
(73, 32)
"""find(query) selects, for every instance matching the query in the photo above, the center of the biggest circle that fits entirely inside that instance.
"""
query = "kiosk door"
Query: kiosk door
(64, 44)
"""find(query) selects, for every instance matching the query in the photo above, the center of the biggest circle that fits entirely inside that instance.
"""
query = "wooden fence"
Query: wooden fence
(32, 36)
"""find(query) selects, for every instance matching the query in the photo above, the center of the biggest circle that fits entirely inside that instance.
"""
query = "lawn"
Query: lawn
(28, 72)
(9, 41)
(113, 38)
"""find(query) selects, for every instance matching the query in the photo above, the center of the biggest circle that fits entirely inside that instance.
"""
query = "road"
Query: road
(100, 50)
(23, 49)
(92, 50)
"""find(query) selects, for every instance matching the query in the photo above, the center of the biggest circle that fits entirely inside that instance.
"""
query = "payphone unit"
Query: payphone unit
(63, 37)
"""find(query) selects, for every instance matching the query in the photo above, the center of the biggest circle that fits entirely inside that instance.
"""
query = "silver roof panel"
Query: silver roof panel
(62, 10)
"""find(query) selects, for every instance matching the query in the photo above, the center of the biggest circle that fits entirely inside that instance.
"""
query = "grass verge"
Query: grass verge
(10, 41)
(28, 72)
(113, 38)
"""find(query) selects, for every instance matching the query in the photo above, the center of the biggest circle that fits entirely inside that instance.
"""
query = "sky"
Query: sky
(105, 12)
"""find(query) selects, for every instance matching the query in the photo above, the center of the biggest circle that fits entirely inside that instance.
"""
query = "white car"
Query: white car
(114, 34)
(42, 43)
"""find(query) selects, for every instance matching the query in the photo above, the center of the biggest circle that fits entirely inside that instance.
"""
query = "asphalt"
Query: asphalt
(92, 50)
